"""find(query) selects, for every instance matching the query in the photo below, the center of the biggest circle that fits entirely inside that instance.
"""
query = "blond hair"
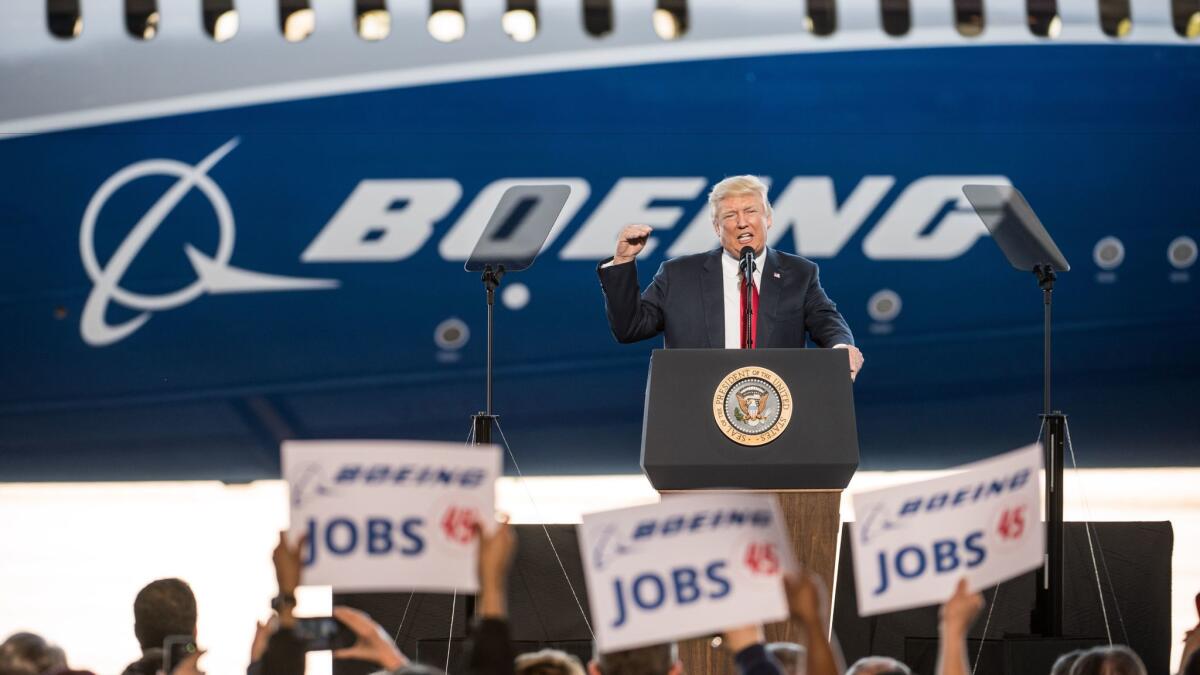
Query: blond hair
(548, 662)
(736, 186)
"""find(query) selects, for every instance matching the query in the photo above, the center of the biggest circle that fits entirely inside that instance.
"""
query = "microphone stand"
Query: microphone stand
(747, 270)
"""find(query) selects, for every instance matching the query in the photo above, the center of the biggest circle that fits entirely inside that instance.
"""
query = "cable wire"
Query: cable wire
(1087, 528)
(988, 622)
(403, 617)
(545, 530)
(450, 638)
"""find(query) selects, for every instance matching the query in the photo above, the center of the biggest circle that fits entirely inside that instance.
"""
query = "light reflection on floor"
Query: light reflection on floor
(72, 556)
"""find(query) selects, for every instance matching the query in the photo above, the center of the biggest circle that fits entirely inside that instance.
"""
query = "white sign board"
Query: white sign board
(389, 515)
(690, 565)
(912, 543)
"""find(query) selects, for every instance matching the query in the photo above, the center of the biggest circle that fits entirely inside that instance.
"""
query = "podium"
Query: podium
(773, 420)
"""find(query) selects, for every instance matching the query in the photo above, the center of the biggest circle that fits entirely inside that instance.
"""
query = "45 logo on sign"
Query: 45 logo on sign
(761, 558)
(458, 524)
(1011, 524)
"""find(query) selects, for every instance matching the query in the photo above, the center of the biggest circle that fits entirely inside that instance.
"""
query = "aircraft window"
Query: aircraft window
(373, 20)
(64, 19)
(220, 19)
(446, 20)
(821, 17)
(598, 17)
(968, 17)
(671, 19)
(1115, 19)
(141, 18)
(296, 20)
(1186, 17)
(897, 18)
(1043, 18)
(520, 20)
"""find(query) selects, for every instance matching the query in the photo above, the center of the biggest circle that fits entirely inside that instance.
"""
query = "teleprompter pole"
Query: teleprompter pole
(482, 422)
(1048, 606)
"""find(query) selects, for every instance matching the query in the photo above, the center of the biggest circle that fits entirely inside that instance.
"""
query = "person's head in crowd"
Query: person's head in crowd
(878, 665)
(1191, 665)
(1115, 660)
(1189, 660)
(163, 608)
(29, 654)
(416, 669)
(790, 655)
(661, 659)
(548, 662)
(1062, 666)
(151, 663)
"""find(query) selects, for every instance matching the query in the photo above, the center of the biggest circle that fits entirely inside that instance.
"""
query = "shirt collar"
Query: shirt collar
(730, 265)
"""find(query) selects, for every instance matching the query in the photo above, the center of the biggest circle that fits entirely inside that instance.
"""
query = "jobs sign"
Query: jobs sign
(913, 542)
(390, 516)
(690, 565)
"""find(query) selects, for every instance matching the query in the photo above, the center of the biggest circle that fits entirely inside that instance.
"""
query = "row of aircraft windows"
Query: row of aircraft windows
(447, 23)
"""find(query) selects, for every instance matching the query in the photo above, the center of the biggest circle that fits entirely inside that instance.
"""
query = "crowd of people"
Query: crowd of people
(165, 614)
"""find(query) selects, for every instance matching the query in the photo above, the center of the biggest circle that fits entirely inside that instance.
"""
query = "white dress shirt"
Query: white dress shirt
(731, 280)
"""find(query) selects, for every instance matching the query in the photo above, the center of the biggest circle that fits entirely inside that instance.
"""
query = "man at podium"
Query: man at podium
(697, 301)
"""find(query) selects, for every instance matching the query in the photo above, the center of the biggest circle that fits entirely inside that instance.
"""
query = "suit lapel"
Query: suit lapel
(773, 278)
(712, 294)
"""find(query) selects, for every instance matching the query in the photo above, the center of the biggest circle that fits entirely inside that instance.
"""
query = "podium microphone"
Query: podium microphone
(747, 264)
(747, 268)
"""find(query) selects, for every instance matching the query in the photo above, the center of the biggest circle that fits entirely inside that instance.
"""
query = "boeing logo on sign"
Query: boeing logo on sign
(609, 545)
(310, 484)
(214, 274)
(877, 520)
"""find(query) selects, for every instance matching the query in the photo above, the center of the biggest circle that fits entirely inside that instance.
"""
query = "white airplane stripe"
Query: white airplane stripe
(584, 59)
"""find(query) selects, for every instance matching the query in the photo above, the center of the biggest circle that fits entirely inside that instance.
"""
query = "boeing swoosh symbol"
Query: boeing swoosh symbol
(214, 274)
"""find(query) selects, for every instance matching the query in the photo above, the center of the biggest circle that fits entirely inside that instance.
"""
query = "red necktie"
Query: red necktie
(742, 312)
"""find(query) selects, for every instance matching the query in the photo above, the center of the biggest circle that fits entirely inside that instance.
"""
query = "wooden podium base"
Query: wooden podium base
(812, 518)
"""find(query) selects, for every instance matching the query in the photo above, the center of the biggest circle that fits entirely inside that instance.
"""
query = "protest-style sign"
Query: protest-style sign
(390, 515)
(912, 543)
(687, 566)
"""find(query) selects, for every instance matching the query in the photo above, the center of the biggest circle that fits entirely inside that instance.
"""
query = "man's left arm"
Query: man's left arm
(825, 325)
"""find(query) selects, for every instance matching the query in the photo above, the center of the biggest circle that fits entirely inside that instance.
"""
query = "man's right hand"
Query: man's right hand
(960, 610)
(287, 559)
(496, 551)
(808, 599)
(630, 242)
(374, 644)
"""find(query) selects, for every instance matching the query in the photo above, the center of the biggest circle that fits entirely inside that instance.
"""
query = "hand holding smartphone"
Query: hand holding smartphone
(323, 633)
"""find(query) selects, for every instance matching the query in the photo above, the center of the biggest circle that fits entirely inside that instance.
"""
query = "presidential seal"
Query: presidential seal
(752, 406)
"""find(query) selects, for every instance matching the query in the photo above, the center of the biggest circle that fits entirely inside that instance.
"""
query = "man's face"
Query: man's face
(742, 220)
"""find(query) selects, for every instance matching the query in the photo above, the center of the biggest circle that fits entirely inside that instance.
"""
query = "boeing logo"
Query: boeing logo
(609, 545)
(213, 274)
(885, 517)
(612, 542)
(389, 220)
(309, 484)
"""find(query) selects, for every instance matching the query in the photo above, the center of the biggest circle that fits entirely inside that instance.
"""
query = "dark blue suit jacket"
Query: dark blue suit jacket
(686, 303)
